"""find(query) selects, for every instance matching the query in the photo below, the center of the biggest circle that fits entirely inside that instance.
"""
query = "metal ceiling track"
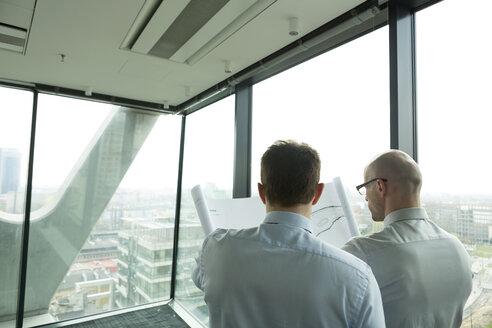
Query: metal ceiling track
(119, 101)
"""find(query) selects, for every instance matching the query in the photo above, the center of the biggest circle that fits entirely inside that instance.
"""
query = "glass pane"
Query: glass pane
(65, 129)
(339, 104)
(208, 161)
(15, 131)
(454, 71)
(102, 224)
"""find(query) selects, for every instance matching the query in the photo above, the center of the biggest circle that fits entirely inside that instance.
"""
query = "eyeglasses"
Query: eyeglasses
(362, 187)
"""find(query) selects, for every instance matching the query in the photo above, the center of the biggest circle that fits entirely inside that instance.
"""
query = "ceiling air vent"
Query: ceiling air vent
(15, 21)
(12, 38)
(186, 30)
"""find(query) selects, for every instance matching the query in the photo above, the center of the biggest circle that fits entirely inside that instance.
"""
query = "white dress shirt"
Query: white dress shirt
(279, 275)
(423, 271)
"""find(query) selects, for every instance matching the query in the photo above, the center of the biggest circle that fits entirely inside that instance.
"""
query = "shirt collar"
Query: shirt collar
(412, 213)
(289, 219)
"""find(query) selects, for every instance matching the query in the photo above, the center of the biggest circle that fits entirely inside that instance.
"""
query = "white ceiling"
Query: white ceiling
(90, 34)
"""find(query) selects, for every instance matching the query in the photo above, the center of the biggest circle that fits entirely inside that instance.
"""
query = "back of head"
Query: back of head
(400, 169)
(290, 173)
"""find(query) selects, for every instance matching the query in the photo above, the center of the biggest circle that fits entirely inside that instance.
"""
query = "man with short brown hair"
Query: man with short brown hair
(290, 173)
(279, 274)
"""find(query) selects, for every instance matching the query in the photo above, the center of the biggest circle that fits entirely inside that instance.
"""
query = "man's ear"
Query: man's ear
(382, 188)
(261, 192)
(319, 191)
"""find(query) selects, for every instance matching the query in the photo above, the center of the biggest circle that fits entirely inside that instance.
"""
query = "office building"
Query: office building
(10, 161)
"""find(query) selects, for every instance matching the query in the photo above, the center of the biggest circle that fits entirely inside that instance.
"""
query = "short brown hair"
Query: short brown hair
(290, 173)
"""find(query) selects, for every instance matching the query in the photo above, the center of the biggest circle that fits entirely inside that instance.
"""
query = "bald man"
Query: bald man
(423, 272)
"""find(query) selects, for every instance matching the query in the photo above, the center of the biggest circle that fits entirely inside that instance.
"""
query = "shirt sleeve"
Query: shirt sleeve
(197, 274)
(371, 313)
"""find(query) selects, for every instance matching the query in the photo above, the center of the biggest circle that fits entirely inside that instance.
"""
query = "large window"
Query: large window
(102, 220)
(339, 104)
(208, 161)
(455, 112)
(15, 128)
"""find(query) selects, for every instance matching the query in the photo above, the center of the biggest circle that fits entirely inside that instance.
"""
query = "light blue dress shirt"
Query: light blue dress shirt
(279, 275)
(423, 271)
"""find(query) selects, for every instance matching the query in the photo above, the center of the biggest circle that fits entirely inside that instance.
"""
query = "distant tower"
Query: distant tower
(10, 160)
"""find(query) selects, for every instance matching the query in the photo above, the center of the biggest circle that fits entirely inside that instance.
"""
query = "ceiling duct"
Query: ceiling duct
(12, 38)
(185, 31)
(15, 22)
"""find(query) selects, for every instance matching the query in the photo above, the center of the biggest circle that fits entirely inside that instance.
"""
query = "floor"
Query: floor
(161, 316)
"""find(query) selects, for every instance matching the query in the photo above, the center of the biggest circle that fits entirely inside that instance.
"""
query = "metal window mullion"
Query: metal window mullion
(403, 104)
(178, 208)
(242, 142)
(26, 225)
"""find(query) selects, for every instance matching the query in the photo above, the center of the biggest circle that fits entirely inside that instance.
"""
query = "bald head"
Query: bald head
(401, 171)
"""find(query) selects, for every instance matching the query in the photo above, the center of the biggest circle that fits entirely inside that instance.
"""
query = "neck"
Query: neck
(302, 209)
(395, 206)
